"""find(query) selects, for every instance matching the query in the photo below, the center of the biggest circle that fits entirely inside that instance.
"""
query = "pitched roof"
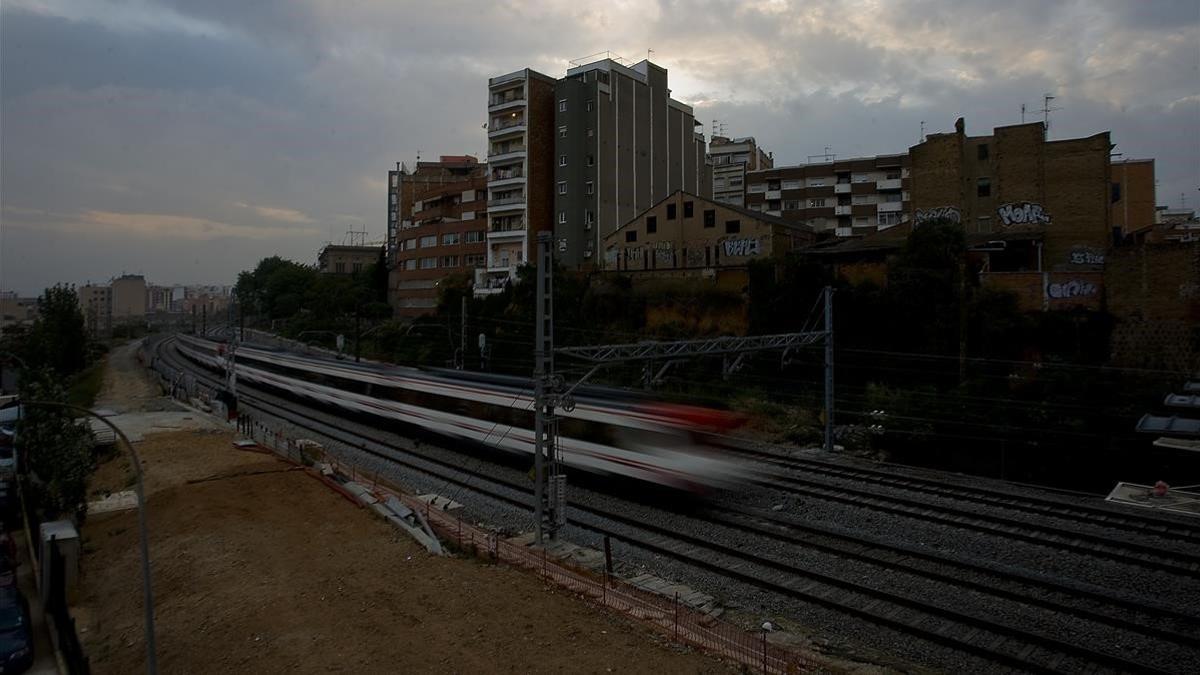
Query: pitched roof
(757, 215)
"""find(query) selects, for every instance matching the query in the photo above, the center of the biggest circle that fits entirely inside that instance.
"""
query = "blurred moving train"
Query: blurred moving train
(606, 432)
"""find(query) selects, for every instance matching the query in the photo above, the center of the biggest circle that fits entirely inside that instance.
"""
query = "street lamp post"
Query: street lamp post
(147, 591)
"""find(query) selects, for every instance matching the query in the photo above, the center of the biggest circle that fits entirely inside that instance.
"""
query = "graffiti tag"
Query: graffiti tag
(1018, 213)
(1074, 288)
(741, 247)
(949, 213)
(1086, 257)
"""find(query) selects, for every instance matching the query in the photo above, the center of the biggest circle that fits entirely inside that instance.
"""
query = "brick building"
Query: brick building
(445, 236)
(686, 235)
(847, 197)
(1132, 200)
(1037, 211)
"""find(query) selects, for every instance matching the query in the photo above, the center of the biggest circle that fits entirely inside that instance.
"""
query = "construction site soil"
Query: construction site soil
(257, 567)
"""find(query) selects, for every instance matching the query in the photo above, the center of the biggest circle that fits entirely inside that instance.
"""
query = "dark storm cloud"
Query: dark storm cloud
(188, 139)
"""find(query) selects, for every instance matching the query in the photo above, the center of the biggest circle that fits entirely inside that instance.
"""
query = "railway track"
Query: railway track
(1013, 646)
(1110, 518)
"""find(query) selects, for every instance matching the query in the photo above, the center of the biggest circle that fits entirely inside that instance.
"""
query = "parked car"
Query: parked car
(16, 640)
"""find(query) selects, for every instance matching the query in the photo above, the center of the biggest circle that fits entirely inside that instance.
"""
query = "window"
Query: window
(562, 105)
(428, 241)
(718, 182)
(562, 217)
(652, 224)
(755, 188)
(395, 180)
(450, 239)
(562, 160)
(588, 105)
(670, 212)
(733, 226)
(892, 197)
(562, 187)
(474, 237)
(735, 182)
(602, 76)
(791, 185)
(588, 218)
(591, 161)
(589, 188)
(590, 133)
(393, 198)
(410, 244)
(816, 203)
(816, 182)
(860, 221)
(339, 267)
(982, 151)
(356, 267)
(710, 217)
(1116, 192)
(630, 236)
(984, 187)
(449, 261)
(475, 260)
(791, 205)
(889, 219)
(410, 264)
(687, 210)
(562, 132)
(428, 263)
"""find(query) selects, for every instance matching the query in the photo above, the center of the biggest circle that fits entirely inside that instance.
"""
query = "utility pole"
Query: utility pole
(543, 369)
(204, 320)
(193, 319)
(829, 369)
(357, 331)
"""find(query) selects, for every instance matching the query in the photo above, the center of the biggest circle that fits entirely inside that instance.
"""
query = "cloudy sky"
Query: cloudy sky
(186, 140)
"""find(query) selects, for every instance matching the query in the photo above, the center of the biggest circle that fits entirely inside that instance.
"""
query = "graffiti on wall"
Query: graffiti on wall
(949, 213)
(740, 247)
(1074, 288)
(1086, 256)
(695, 257)
(1019, 213)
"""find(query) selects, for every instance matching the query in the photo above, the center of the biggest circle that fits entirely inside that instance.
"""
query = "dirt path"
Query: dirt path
(127, 387)
(260, 568)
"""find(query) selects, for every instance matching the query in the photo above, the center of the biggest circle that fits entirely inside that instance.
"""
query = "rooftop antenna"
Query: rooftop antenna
(1022, 113)
(922, 137)
(648, 53)
(827, 155)
(1046, 110)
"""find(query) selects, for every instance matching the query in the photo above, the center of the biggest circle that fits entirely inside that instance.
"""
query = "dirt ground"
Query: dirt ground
(261, 568)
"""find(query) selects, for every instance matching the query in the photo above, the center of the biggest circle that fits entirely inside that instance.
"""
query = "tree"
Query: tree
(58, 446)
(58, 338)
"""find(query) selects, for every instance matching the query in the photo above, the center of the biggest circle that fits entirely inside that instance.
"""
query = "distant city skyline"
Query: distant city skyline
(188, 141)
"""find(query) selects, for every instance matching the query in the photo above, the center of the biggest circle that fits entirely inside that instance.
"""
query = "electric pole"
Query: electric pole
(829, 369)
(544, 464)
(462, 338)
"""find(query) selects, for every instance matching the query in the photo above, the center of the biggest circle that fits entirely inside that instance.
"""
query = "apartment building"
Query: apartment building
(1133, 198)
(337, 259)
(520, 199)
(445, 236)
(621, 144)
(844, 197)
(731, 158)
(403, 185)
(128, 298)
(95, 302)
(16, 310)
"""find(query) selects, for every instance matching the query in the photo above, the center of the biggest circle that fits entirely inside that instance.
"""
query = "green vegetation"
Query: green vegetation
(85, 387)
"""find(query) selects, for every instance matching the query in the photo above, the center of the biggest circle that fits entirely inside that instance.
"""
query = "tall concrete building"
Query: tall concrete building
(404, 184)
(128, 298)
(520, 174)
(846, 196)
(621, 144)
(731, 158)
(96, 303)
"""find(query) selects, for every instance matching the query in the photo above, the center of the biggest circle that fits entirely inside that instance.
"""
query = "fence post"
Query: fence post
(677, 616)
(764, 649)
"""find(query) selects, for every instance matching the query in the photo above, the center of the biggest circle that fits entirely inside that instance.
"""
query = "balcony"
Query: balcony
(844, 231)
(506, 233)
(503, 153)
(841, 189)
(506, 204)
(492, 280)
(888, 184)
(842, 210)
(889, 207)
(506, 128)
(777, 213)
(774, 194)
(513, 98)
(503, 178)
